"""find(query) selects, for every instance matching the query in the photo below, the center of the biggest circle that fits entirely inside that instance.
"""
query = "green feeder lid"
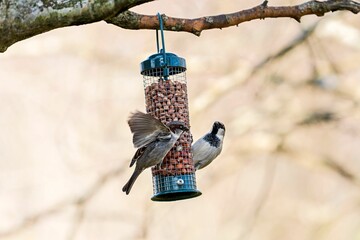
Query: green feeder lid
(152, 65)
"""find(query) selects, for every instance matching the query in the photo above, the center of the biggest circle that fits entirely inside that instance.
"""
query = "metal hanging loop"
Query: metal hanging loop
(163, 51)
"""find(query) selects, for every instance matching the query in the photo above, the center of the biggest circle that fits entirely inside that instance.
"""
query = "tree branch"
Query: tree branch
(132, 20)
(22, 19)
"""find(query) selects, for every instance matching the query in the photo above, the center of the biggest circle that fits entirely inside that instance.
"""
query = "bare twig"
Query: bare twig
(263, 194)
(211, 95)
(330, 59)
(82, 201)
(78, 219)
(79, 202)
(146, 222)
(132, 20)
(286, 49)
(328, 82)
(319, 117)
(341, 170)
(34, 219)
(269, 176)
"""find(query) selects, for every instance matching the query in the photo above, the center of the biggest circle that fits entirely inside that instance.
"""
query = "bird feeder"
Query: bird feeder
(166, 99)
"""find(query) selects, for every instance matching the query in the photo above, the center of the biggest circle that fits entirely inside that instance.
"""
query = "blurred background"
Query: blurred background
(288, 94)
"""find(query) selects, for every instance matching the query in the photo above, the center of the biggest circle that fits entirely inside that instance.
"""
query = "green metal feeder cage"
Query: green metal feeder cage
(166, 99)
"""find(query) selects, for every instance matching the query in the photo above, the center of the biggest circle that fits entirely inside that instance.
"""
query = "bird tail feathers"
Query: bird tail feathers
(127, 187)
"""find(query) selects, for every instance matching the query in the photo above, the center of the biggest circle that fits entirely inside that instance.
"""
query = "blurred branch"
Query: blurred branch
(328, 163)
(304, 35)
(335, 166)
(146, 223)
(312, 119)
(327, 81)
(269, 176)
(78, 219)
(331, 59)
(32, 220)
(312, 60)
(211, 95)
(314, 45)
(319, 117)
(79, 202)
(132, 20)
(262, 196)
(281, 148)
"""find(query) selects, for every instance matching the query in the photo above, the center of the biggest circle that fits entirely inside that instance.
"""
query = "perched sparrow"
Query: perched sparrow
(153, 140)
(207, 148)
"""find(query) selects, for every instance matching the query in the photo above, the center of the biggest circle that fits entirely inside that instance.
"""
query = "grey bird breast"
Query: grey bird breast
(156, 151)
(204, 153)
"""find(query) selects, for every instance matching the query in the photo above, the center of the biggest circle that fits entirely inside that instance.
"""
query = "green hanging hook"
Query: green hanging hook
(165, 64)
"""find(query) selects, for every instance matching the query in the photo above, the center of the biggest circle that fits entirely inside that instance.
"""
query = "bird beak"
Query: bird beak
(218, 125)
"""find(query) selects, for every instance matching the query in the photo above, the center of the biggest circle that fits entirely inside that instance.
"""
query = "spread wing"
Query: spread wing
(146, 129)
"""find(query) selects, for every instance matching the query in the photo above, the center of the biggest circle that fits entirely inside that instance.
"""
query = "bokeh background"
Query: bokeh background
(288, 94)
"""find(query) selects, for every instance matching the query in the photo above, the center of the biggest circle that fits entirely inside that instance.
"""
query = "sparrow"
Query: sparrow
(207, 148)
(153, 140)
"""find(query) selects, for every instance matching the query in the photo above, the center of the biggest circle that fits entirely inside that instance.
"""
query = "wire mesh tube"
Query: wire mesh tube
(167, 100)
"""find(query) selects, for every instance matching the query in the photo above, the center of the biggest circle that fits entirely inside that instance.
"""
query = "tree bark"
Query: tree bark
(22, 19)
(131, 20)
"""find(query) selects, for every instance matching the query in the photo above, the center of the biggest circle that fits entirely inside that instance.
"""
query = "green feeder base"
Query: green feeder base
(173, 188)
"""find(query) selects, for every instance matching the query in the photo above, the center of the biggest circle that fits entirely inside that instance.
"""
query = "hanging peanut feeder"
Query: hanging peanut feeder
(166, 99)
